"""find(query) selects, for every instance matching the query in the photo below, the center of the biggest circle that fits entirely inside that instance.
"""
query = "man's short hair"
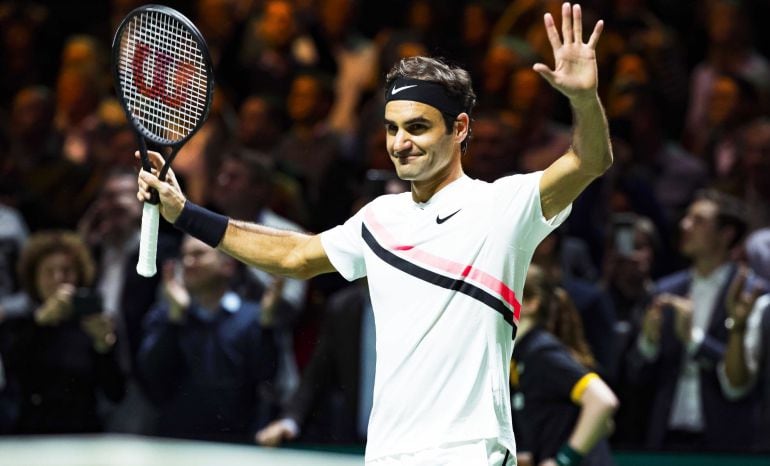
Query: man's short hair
(731, 212)
(454, 79)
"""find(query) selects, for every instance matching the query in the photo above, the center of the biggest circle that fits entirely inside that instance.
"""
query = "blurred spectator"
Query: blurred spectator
(347, 56)
(26, 47)
(197, 160)
(78, 94)
(490, 154)
(729, 51)
(205, 357)
(244, 187)
(633, 27)
(745, 362)
(539, 139)
(559, 257)
(683, 338)
(505, 55)
(270, 52)
(754, 149)
(313, 153)
(559, 405)
(475, 34)
(111, 228)
(732, 103)
(13, 236)
(673, 174)
(62, 353)
(260, 123)
(633, 249)
(45, 186)
(334, 398)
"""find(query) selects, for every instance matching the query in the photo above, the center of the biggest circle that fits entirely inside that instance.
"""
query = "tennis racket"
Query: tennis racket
(165, 83)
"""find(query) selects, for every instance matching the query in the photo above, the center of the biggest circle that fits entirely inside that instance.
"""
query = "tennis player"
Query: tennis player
(445, 262)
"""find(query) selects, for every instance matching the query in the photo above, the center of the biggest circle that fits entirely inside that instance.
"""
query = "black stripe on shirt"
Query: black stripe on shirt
(437, 279)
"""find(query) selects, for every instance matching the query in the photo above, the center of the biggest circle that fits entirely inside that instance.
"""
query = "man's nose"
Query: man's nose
(401, 143)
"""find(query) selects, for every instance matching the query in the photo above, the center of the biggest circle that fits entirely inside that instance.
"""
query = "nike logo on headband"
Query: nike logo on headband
(396, 90)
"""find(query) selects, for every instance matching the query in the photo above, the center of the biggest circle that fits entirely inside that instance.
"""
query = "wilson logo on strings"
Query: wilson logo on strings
(172, 93)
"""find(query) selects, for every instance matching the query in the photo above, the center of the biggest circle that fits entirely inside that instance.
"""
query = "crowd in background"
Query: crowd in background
(212, 349)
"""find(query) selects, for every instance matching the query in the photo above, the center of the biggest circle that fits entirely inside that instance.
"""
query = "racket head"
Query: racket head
(163, 74)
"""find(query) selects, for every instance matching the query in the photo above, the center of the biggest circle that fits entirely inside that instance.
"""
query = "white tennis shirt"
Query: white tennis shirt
(445, 277)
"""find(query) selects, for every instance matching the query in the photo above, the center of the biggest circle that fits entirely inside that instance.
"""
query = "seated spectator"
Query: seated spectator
(683, 338)
(205, 356)
(562, 410)
(62, 355)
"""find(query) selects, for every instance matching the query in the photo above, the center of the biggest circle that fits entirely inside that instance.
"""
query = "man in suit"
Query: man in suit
(342, 364)
(684, 333)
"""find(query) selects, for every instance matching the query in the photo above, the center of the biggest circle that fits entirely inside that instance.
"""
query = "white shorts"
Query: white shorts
(485, 452)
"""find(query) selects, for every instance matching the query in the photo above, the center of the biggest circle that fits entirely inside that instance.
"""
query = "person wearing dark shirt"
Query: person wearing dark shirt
(205, 356)
(60, 356)
(561, 409)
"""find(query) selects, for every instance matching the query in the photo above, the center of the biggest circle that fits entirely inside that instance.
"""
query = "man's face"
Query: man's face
(417, 141)
(202, 264)
(700, 231)
(119, 211)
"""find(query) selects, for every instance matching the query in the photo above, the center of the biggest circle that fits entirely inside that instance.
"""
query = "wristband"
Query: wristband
(201, 223)
(567, 456)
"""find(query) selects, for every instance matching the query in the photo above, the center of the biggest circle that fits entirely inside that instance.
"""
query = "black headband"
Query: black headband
(427, 92)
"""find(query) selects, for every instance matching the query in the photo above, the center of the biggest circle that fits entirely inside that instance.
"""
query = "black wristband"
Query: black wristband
(201, 223)
(567, 456)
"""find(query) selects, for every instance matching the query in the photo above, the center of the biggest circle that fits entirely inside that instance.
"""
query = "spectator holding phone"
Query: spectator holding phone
(60, 355)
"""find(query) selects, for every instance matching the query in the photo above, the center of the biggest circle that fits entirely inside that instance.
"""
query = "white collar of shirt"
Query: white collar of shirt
(446, 192)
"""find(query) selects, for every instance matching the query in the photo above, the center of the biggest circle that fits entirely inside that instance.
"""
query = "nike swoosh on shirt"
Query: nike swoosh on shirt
(440, 220)
(396, 90)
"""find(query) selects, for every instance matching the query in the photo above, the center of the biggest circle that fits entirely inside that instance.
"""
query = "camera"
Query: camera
(86, 301)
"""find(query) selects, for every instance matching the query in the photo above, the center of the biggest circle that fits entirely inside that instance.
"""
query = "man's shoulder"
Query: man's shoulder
(676, 282)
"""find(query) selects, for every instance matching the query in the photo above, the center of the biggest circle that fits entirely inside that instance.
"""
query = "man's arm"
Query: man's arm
(288, 253)
(576, 76)
(281, 252)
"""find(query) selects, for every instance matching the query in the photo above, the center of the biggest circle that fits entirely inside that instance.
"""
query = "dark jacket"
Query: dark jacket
(57, 376)
(205, 375)
(334, 369)
(726, 422)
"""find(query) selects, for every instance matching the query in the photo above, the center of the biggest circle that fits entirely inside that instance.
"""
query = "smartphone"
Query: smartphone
(86, 301)
(623, 235)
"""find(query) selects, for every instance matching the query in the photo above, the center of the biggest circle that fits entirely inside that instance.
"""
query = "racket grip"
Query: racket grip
(148, 241)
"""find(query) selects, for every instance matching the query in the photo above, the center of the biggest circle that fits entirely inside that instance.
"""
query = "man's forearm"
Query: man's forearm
(275, 251)
(735, 360)
(591, 137)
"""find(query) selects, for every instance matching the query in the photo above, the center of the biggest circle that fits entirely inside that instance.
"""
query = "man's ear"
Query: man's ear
(462, 126)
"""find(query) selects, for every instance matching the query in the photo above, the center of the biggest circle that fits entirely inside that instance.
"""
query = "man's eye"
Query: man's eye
(417, 129)
(392, 129)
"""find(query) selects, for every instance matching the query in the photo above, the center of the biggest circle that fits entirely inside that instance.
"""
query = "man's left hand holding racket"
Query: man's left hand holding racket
(164, 81)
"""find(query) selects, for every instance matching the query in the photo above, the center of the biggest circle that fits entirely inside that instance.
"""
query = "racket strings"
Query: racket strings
(163, 75)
